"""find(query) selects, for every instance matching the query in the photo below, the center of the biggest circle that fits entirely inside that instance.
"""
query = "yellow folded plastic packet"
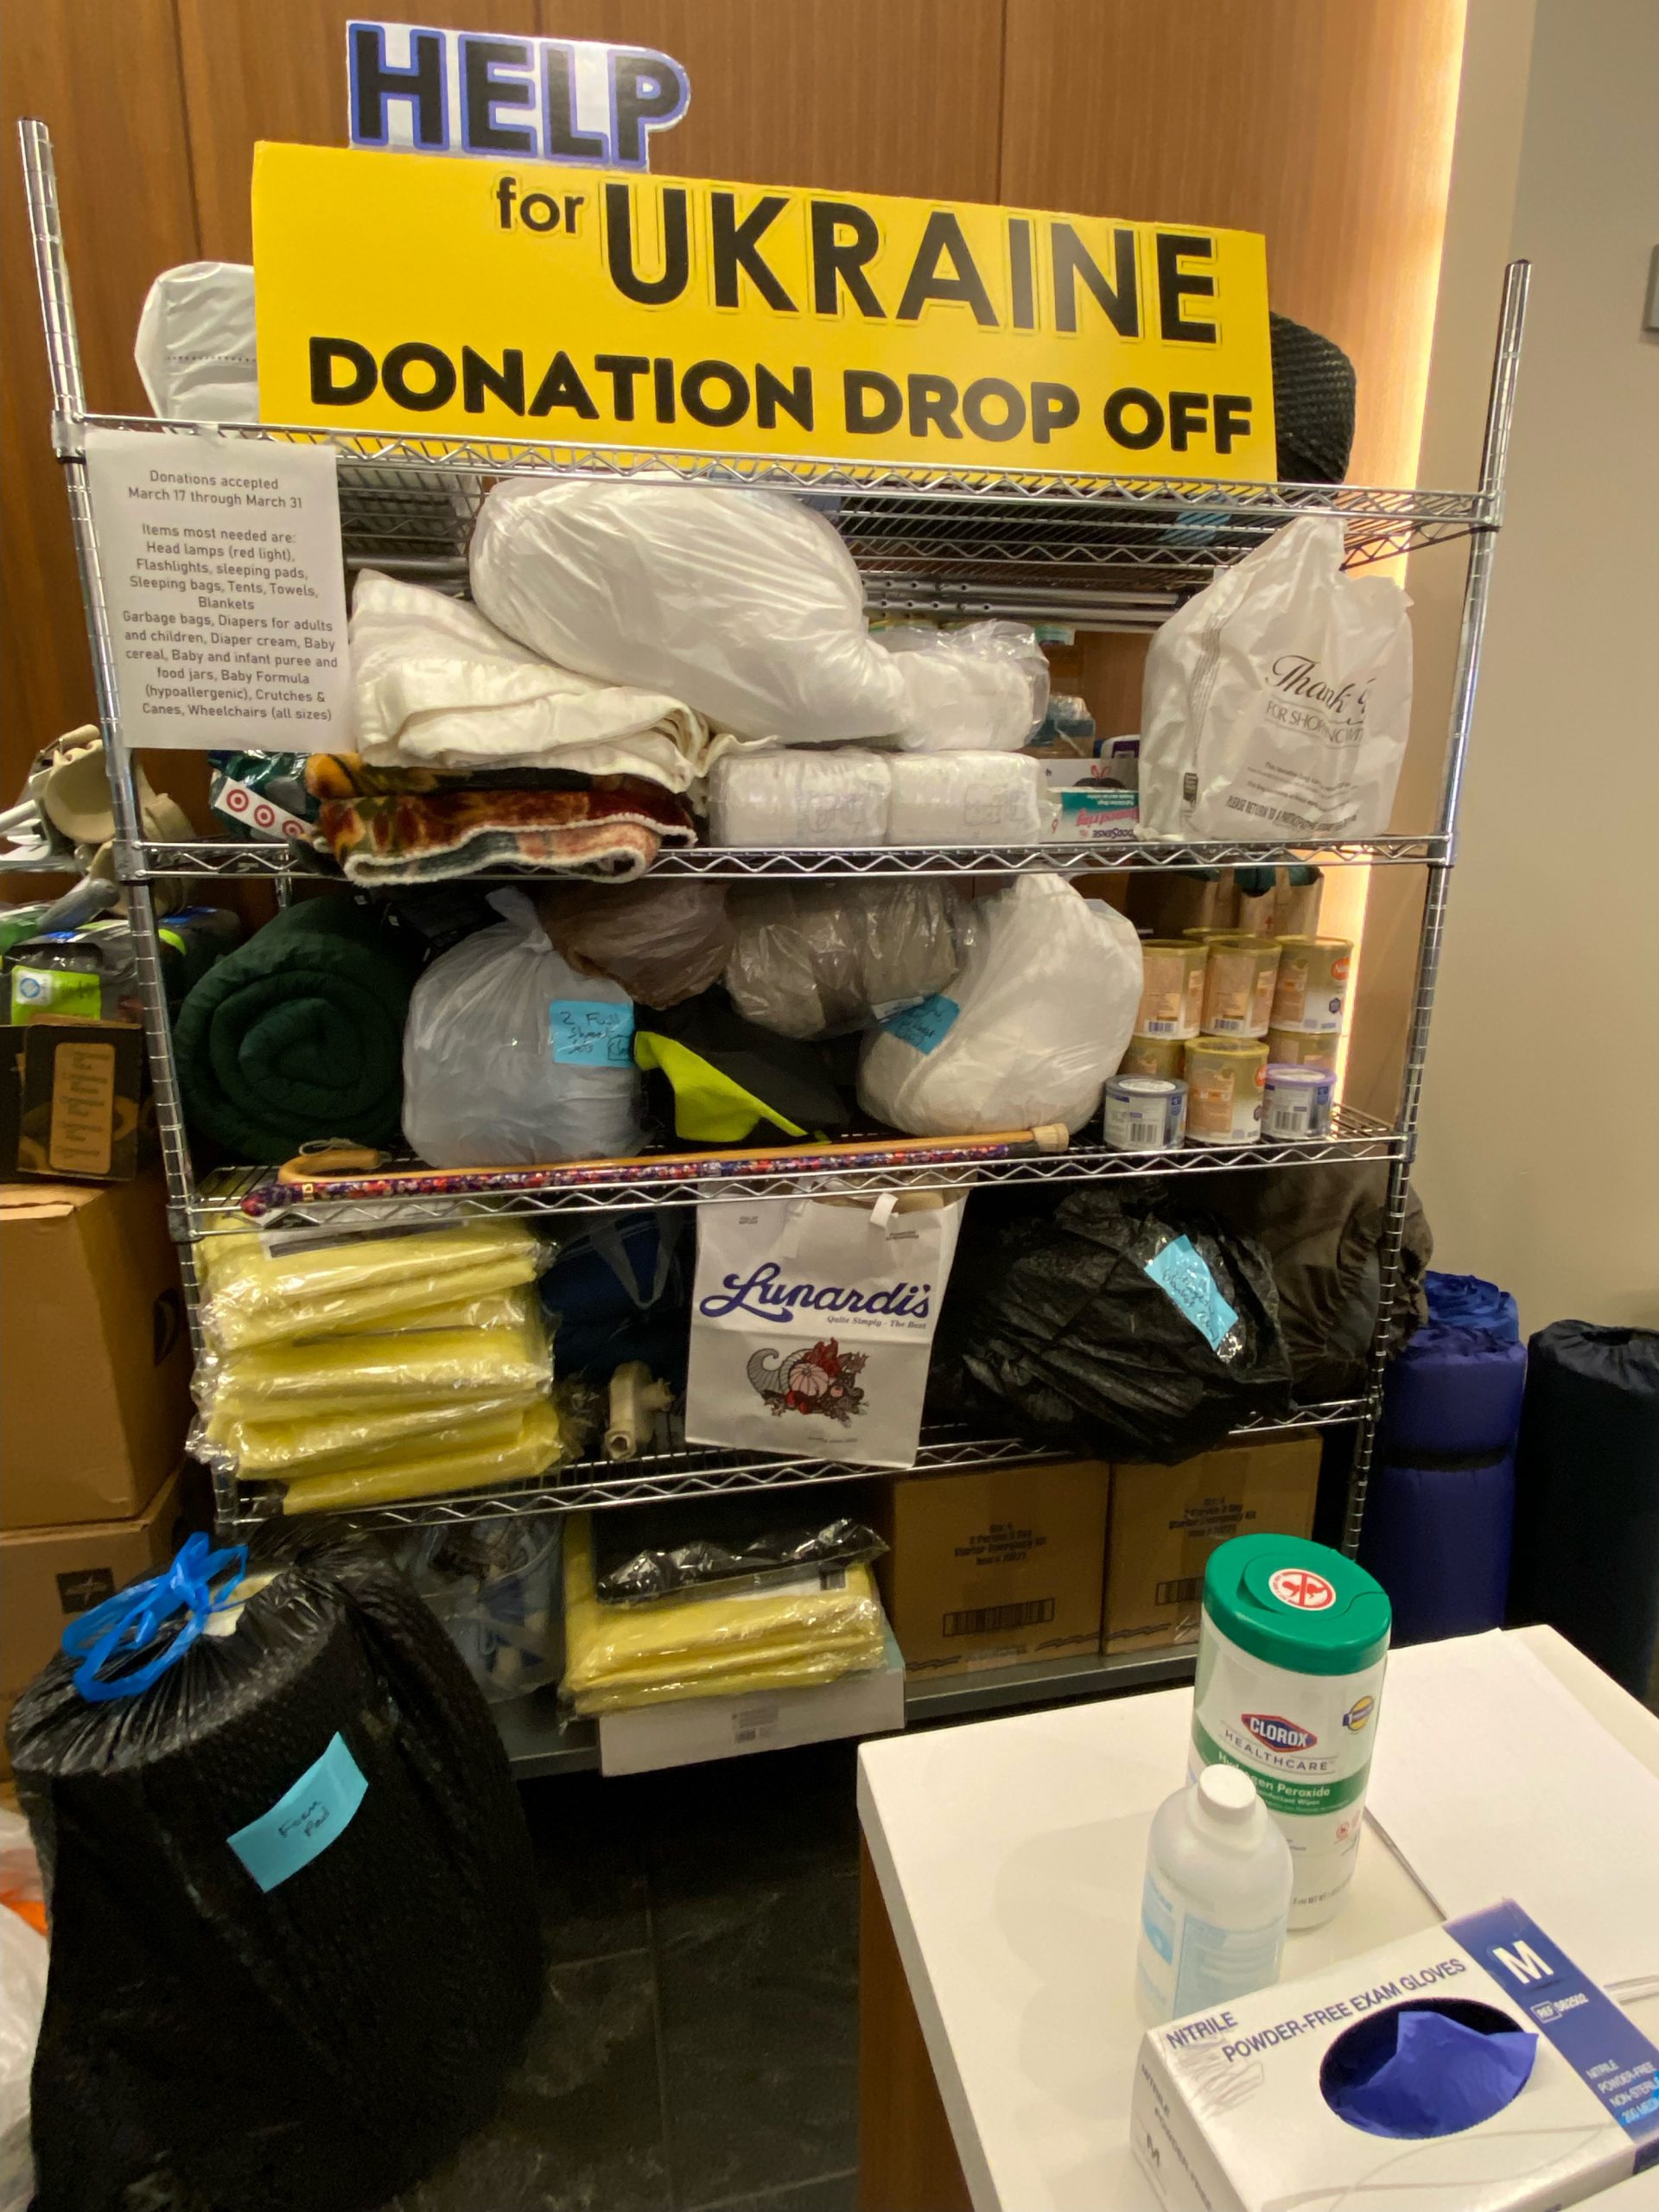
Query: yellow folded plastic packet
(349, 1374)
(774, 1637)
(283, 1451)
(255, 1297)
(532, 1449)
(480, 1306)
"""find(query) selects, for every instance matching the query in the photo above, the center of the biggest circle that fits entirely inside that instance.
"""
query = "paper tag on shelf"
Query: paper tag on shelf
(224, 590)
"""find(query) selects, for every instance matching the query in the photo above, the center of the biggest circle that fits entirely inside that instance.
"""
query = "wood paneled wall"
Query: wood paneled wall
(1323, 123)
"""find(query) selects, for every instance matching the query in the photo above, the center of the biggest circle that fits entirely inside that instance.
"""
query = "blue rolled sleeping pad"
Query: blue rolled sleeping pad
(1471, 1302)
(1440, 1511)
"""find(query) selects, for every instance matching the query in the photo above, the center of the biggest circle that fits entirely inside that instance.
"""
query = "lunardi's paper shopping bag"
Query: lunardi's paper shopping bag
(811, 1324)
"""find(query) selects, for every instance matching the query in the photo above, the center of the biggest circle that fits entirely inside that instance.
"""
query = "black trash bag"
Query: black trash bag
(1122, 1327)
(210, 2045)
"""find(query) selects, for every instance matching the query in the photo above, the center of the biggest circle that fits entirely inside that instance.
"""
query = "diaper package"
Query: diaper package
(195, 344)
(794, 796)
(964, 798)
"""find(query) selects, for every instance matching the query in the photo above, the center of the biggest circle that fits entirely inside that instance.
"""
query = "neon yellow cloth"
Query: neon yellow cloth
(772, 1638)
(480, 1308)
(532, 1449)
(283, 1451)
(351, 1374)
(257, 1298)
(709, 1107)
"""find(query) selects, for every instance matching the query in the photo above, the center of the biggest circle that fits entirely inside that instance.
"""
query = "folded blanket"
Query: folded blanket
(438, 685)
(285, 1451)
(299, 1033)
(420, 826)
(346, 1375)
(533, 1450)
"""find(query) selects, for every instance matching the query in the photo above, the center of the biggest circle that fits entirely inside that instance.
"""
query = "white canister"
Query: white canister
(1296, 1102)
(1145, 1113)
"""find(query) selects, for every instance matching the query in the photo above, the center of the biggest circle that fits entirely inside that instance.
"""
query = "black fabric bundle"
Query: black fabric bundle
(325, 2041)
(1128, 1328)
(1313, 394)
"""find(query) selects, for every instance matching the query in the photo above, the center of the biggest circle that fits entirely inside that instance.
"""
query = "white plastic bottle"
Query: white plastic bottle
(1217, 1900)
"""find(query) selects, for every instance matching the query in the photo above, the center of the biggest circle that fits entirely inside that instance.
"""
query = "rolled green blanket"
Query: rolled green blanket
(299, 1033)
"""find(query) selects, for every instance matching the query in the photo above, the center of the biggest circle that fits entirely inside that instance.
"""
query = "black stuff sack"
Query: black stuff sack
(294, 1941)
(1125, 1329)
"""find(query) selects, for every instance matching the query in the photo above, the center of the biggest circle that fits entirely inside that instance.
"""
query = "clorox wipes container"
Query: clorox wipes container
(1291, 1652)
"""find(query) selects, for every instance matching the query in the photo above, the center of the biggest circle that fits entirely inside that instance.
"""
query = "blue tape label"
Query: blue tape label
(1181, 1274)
(592, 1033)
(927, 1025)
(304, 1820)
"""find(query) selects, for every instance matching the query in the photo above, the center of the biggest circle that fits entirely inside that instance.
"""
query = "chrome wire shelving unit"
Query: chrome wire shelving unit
(1116, 553)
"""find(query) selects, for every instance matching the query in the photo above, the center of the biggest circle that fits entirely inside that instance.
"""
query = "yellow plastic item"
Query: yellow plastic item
(774, 1637)
(352, 1374)
(283, 1450)
(483, 1309)
(532, 1449)
(255, 1297)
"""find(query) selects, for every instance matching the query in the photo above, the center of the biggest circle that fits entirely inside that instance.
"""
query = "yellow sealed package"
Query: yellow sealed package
(781, 1636)
(485, 1309)
(257, 1297)
(283, 1451)
(533, 1448)
(349, 1373)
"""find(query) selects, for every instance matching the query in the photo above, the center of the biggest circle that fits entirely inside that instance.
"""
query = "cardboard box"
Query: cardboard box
(94, 1356)
(697, 1728)
(1230, 2111)
(997, 1568)
(48, 1575)
(77, 1101)
(1167, 1521)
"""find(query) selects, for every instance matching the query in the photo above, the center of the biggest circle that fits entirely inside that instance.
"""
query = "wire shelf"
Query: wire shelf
(236, 1197)
(681, 1470)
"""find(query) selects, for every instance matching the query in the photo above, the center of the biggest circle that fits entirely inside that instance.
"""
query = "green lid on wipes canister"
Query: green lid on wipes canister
(1297, 1605)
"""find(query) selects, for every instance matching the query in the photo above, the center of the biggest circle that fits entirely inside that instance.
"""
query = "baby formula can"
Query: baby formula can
(1164, 1056)
(1238, 986)
(1293, 1048)
(1225, 1076)
(1312, 988)
(1172, 991)
(1145, 1113)
(1291, 1647)
(1296, 1100)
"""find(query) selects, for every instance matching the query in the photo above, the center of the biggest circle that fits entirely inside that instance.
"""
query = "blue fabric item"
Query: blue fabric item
(1471, 1302)
(616, 1294)
(1438, 1539)
(1430, 2075)
(1452, 1391)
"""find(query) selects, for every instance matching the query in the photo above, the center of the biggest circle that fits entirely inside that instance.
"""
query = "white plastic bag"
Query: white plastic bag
(744, 604)
(1276, 702)
(797, 797)
(510, 1056)
(24, 1958)
(1037, 1017)
(964, 798)
(195, 344)
(818, 959)
(982, 689)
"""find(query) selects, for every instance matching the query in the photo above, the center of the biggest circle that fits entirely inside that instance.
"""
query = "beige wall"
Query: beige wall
(1540, 1152)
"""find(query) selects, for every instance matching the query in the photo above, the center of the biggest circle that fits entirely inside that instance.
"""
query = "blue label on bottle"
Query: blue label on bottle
(1180, 1273)
(927, 1025)
(592, 1033)
(305, 1820)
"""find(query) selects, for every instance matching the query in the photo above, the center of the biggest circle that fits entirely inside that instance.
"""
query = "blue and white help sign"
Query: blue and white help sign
(811, 1324)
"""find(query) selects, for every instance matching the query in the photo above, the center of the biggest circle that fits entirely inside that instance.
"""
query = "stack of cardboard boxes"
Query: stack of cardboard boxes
(1062, 1562)
(94, 1403)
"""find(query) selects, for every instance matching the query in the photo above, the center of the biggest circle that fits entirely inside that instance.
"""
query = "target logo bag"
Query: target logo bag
(812, 1321)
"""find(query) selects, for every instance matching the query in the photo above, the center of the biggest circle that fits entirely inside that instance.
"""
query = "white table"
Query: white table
(1010, 1857)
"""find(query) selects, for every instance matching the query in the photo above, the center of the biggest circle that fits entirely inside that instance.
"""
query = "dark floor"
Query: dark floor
(698, 2044)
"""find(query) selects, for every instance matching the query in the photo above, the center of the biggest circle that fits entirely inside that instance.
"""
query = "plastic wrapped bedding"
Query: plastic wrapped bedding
(485, 1309)
(255, 1296)
(1039, 1016)
(964, 798)
(283, 1451)
(438, 686)
(663, 942)
(794, 798)
(776, 1637)
(744, 604)
(531, 1448)
(195, 345)
(817, 960)
(984, 688)
(349, 1373)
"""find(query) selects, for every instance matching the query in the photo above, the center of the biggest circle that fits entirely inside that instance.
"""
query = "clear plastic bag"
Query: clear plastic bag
(1039, 1016)
(794, 796)
(964, 798)
(315, 1443)
(1276, 701)
(349, 1373)
(982, 689)
(818, 960)
(195, 345)
(661, 942)
(534, 1447)
(495, 1585)
(259, 1293)
(23, 1961)
(744, 604)
(721, 1554)
(511, 1056)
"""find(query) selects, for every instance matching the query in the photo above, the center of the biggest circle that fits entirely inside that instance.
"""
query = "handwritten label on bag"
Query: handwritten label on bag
(305, 1820)
(1181, 1274)
(924, 1026)
(591, 1033)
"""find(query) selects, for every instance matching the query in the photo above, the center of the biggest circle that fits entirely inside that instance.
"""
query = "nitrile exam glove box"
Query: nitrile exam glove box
(1545, 2091)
